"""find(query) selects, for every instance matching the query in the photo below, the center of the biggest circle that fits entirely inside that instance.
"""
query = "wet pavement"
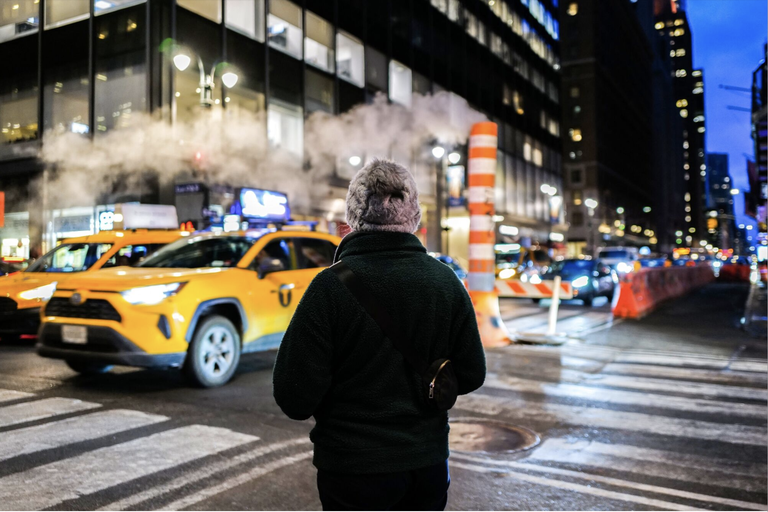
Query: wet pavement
(668, 412)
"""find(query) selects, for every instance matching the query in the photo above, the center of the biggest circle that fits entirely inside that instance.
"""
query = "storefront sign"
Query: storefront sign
(188, 188)
(146, 216)
(455, 178)
(72, 224)
(106, 220)
(264, 204)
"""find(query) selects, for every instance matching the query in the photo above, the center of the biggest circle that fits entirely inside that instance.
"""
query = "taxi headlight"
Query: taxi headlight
(150, 295)
(506, 273)
(44, 292)
(535, 279)
(580, 282)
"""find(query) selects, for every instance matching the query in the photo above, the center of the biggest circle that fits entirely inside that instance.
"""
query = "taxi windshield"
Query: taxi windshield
(70, 258)
(200, 252)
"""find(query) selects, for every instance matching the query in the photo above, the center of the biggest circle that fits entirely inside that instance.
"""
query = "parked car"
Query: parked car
(622, 259)
(589, 278)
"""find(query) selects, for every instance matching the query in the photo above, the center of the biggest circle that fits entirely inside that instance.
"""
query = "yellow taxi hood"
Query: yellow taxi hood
(123, 278)
(11, 286)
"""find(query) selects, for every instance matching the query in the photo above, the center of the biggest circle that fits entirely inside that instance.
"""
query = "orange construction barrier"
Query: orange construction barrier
(483, 141)
(640, 292)
(734, 273)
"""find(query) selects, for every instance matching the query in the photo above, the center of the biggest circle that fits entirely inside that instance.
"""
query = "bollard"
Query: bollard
(483, 141)
(551, 328)
(551, 337)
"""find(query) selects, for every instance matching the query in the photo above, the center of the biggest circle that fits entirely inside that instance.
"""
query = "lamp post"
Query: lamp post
(591, 204)
(182, 60)
(550, 192)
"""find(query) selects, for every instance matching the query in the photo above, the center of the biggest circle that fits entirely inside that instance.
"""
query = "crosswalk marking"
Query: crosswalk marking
(669, 467)
(231, 483)
(606, 418)
(643, 370)
(48, 485)
(6, 395)
(748, 366)
(200, 474)
(72, 430)
(582, 489)
(41, 409)
(620, 483)
(679, 360)
(624, 397)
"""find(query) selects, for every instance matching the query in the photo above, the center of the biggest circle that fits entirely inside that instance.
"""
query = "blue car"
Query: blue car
(460, 272)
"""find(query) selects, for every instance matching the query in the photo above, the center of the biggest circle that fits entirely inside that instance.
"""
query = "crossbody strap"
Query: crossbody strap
(379, 314)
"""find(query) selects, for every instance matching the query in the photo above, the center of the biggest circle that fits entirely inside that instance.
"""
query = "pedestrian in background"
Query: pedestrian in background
(380, 401)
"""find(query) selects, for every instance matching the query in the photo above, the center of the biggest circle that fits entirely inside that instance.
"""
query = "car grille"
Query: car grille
(96, 309)
(7, 305)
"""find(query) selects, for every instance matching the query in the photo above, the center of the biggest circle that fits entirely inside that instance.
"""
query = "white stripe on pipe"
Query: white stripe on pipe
(626, 397)
(624, 457)
(72, 430)
(41, 409)
(481, 281)
(583, 489)
(49, 485)
(622, 483)
(481, 166)
(6, 395)
(481, 252)
(253, 474)
(643, 370)
(481, 195)
(483, 141)
(481, 223)
(200, 474)
(594, 417)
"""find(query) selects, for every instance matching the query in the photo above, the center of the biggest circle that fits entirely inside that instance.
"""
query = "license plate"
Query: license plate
(74, 334)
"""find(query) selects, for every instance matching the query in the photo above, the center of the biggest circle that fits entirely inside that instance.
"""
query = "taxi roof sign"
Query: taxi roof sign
(145, 216)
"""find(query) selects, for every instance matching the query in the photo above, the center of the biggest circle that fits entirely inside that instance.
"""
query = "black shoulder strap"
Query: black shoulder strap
(379, 314)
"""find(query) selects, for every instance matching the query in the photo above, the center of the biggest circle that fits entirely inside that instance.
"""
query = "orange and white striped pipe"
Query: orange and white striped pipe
(483, 141)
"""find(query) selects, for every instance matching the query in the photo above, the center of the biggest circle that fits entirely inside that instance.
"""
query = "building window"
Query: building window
(210, 9)
(577, 219)
(18, 91)
(318, 45)
(454, 10)
(517, 100)
(680, 73)
(679, 31)
(575, 134)
(659, 25)
(62, 12)
(575, 92)
(421, 84)
(527, 149)
(684, 113)
(577, 196)
(400, 83)
(246, 17)
(375, 69)
(319, 93)
(103, 6)
(19, 19)
(284, 27)
(554, 127)
(681, 103)
(350, 60)
(573, 9)
(576, 177)
(698, 90)
(285, 127)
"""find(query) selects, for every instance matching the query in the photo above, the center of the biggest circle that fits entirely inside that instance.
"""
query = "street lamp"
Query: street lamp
(182, 60)
(735, 191)
(454, 157)
(438, 152)
(591, 204)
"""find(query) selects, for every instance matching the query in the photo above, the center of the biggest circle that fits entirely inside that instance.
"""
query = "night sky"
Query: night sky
(728, 38)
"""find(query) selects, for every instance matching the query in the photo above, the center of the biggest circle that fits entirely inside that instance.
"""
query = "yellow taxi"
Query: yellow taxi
(516, 262)
(23, 293)
(195, 304)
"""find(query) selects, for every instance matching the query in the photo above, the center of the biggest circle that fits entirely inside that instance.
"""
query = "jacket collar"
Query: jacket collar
(364, 242)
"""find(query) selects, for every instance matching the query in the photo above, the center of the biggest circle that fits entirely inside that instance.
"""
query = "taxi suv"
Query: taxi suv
(196, 304)
(22, 294)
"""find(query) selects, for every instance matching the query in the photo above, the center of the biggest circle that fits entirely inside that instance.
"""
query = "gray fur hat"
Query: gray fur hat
(383, 197)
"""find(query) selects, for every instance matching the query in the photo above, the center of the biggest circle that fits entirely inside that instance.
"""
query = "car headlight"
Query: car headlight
(534, 279)
(524, 278)
(506, 273)
(150, 295)
(624, 267)
(44, 292)
(580, 282)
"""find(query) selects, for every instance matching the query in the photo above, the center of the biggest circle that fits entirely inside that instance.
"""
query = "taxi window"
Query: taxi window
(315, 253)
(70, 258)
(281, 249)
(130, 255)
(201, 252)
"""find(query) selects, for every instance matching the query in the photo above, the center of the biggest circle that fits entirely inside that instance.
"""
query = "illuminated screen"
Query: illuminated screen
(264, 204)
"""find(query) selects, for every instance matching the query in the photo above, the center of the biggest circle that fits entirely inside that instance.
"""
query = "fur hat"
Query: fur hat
(383, 197)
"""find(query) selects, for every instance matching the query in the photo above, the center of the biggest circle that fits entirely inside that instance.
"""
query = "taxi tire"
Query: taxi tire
(192, 366)
(88, 367)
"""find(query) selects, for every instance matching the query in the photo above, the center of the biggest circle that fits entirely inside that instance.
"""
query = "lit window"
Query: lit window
(61, 12)
(350, 59)
(247, 17)
(285, 126)
(210, 9)
(22, 19)
(686, 166)
(698, 90)
(685, 145)
(318, 45)
(576, 109)
(678, 22)
(679, 73)
(575, 134)
(687, 218)
(679, 31)
(684, 113)
(575, 92)
(681, 103)
(284, 27)
(688, 209)
(696, 72)
(698, 119)
(659, 25)
(400, 83)
(701, 129)
(517, 99)
(573, 9)
(680, 53)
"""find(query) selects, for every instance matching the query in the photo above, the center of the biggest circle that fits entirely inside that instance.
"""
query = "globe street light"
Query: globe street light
(182, 60)
(438, 152)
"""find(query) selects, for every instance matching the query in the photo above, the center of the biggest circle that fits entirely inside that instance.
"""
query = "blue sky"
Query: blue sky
(728, 38)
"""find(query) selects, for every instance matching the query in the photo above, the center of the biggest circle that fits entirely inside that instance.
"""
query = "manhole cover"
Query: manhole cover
(470, 435)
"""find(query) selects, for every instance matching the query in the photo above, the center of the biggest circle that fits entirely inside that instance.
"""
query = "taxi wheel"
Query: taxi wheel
(88, 368)
(214, 353)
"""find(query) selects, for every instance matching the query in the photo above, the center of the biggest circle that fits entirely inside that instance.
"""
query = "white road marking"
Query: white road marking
(244, 478)
(540, 321)
(621, 483)
(714, 471)
(200, 474)
(678, 360)
(41, 409)
(677, 386)
(606, 418)
(625, 397)
(748, 366)
(643, 370)
(6, 395)
(72, 430)
(583, 489)
(49, 485)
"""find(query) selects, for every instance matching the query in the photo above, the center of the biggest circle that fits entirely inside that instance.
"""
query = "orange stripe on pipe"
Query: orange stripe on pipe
(487, 128)
(482, 152)
(482, 266)
(481, 237)
(516, 287)
(481, 180)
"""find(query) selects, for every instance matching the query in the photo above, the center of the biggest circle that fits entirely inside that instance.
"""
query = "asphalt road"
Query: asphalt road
(664, 413)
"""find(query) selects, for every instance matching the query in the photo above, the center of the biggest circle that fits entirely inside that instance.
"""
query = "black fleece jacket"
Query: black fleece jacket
(335, 364)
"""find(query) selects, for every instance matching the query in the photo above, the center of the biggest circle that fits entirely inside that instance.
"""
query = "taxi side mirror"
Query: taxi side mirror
(269, 266)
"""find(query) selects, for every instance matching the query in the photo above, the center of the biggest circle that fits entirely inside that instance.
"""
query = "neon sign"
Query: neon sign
(264, 204)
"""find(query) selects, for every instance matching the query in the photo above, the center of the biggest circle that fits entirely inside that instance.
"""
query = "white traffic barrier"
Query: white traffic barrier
(551, 337)
(542, 290)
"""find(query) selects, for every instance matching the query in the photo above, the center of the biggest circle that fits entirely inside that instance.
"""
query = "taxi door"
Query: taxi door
(314, 254)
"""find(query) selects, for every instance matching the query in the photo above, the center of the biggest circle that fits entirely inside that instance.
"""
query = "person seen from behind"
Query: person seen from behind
(380, 401)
